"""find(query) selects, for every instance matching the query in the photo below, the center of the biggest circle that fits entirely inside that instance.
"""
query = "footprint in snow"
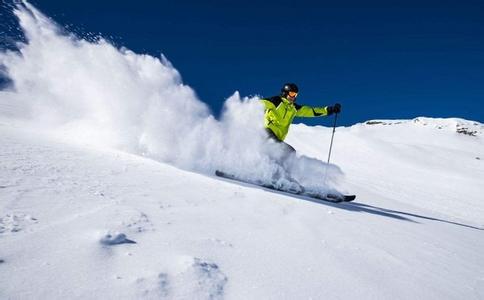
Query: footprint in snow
(139, 223)
(115, 239)
(196, 279)
(15, 222)
(154, 288)
(203, 279)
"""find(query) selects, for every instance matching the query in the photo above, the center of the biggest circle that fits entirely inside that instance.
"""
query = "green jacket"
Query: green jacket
(279, 113)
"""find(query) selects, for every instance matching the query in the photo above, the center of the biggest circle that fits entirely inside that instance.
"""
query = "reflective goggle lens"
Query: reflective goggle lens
(292, 94)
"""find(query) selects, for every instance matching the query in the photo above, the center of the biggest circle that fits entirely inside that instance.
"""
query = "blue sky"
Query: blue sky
(379, 59)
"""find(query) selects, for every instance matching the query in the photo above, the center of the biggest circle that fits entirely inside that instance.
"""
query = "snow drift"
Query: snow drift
(93, 93)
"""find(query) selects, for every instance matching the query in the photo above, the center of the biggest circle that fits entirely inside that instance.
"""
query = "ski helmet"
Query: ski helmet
(289, 87)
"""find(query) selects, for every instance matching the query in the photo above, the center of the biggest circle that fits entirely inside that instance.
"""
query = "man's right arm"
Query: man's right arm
(270, 116)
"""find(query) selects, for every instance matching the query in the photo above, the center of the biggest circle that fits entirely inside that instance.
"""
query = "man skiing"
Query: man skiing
(279, 113)
(281, 110)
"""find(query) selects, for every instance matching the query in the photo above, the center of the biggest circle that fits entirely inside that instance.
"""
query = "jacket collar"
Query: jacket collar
(286, 101)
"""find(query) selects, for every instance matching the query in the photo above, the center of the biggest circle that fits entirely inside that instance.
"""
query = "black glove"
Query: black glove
(335, 109)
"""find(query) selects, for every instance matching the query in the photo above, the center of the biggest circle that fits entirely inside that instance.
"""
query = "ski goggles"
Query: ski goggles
(292, 94)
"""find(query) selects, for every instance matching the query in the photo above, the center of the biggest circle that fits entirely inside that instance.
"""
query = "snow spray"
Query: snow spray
(93, 93)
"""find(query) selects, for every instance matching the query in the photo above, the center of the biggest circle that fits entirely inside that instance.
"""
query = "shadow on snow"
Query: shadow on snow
(356, 207)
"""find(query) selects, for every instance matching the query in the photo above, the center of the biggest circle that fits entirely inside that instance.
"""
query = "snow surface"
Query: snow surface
(415, 230)
(106, 193)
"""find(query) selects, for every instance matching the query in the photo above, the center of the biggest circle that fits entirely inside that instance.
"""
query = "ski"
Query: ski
(333, 198)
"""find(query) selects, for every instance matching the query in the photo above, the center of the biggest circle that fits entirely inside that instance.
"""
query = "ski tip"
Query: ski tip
(340, 198)
(349, 198)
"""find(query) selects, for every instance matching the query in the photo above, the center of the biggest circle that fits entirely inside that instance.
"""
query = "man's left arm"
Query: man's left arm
(308, 111)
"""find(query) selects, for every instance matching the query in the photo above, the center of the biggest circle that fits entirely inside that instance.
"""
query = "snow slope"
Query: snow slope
(106, 192)
(198, 237)
(410, 160)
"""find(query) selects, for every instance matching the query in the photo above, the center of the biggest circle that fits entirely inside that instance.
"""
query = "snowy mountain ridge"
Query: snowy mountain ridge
(458, 125)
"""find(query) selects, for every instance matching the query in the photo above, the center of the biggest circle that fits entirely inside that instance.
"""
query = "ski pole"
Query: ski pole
(332, 136)
(330, 148)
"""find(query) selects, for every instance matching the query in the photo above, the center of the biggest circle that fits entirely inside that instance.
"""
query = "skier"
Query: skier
(281, 110)
(279, 113)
